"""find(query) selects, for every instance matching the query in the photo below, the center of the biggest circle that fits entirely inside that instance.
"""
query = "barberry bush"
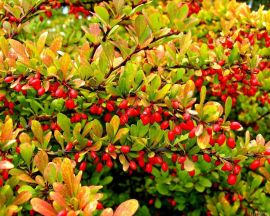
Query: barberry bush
(134, 108)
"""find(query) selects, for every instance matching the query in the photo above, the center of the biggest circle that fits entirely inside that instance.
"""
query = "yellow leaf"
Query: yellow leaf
(127, 208)
(56, 44)
(64, 64)
(42, 207)
(20, 50)
(7, 130)
(41, 42)
(107, 212)
(124, 162)
(67, 174)
(189, 165)
(203, 140)
(37, 130)
(122, 132)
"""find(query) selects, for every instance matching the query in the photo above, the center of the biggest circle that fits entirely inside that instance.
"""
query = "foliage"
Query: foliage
(152, 100)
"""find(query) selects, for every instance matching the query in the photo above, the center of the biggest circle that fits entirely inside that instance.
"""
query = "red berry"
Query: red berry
(89, 143)
(106, 157)
(31, 212)
(157, 117)
(99, 206)
(73, 93)
(207, 158)
(99, 167)
(63, 213)
(110, 107)
(164, 166)
(9, 79)
(70, 104)
(125, 149)
(216, 127)
(194, 158)
(231, 179)
(174, 157)
(83, 166)
(59, 92)
(191, 173)
(148, 168)
(171, 135)
(69, 146)
(177, 129)
(109, 163)
(41, 91)
(254, 165)
(186, 116)
(175, 104)
(132, 165)
(5, 174)
(123, 119)
(145, 119)
(123, 104)
(231, 142)
(111, 148)
(236, 169)
(221, 139)
(235, 126)
(164, 125)
(227, 167)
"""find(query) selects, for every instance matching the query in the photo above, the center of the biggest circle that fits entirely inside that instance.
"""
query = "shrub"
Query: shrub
(153, 100)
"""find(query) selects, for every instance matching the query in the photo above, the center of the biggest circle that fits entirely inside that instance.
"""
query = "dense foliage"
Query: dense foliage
(162, 104)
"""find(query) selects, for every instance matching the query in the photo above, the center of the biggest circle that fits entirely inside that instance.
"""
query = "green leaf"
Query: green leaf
(97, 128)
(234, 55)
(121, 133)
(64, 122)
(142, 29)
(102, 13)
(205, 181)
(162, 189)
(228, 107)
(37, 130)
(26, 153)
(115, 122)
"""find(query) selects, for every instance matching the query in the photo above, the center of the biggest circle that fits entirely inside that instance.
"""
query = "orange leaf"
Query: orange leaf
(19, 49)
(59, 199)
(107, 212)
(22, 198)
(41, 160)
(127, 208)
(6, 165)
(42, 207)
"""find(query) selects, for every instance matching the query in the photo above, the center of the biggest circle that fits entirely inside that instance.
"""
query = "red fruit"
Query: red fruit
(111, 148)
(35, 83)
(150, 202)
(93, 109)
(59, 92)
(109, 163)
(76, 157)
(84, 116)
(231, 142)
(107, 117)
(216, 127)
(89, 143)
(235, 126)
(186, 116)
(106, 157)
(9, 79)
(99, 206)
(48, 13)
(132, 165)
(99, 167)
(70, 104)
(171, 135)
(173, 203)
(221, 139)
(110, 107)
(236, 169)
(31, 212)
(73, 93)
(177, 129)
(148, 168)
(231, 179)
(174, 157)
(207, 158)
(164, 166)
(41, 91)
(157, 117)
(175, 104)
(221, 62)
(5, 174)
(227, 167)
(63, 213)
(69, 146)
(123, 104)
(18, 87)
(125, 149)
(157, 160)
(93, 154)
(192, 133)
(182, 159)
(254, 165)
(83, 166)
(194, 158)
(123, 119)
(164, 125)
(145, 119)
(191, 173)
(18, 149)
